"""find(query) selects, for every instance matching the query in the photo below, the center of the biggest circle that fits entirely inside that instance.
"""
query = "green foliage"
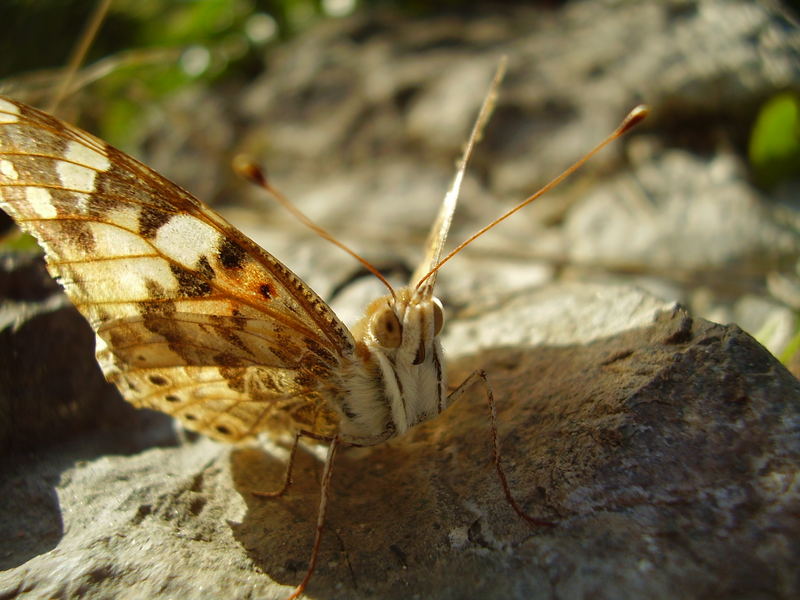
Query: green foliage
(792, 348)
(775, 140)
(153, 48)
(174, 45)
(21, 242)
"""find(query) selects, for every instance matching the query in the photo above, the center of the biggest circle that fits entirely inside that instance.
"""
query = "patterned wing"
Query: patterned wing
(192, 317)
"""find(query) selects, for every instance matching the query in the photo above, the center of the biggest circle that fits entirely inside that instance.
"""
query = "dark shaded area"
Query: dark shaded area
(6, 223)
(58, 23)
(23, 277)
(51, 387)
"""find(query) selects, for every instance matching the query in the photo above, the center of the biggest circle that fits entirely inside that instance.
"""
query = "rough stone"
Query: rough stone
(666, 453)
(657, 219)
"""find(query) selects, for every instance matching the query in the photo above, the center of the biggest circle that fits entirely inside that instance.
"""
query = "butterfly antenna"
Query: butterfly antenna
(632, 119)
(438, 234)
(253, 173)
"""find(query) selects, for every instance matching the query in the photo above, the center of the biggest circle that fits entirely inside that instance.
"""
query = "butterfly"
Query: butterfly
(194, 319)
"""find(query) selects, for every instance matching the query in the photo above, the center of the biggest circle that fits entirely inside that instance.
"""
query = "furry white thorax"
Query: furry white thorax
(409, 384)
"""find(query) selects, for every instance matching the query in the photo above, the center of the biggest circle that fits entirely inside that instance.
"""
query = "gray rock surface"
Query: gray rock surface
(666, 205)
(667, 453)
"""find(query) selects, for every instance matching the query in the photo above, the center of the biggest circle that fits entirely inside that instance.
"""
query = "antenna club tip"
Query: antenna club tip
(502, 65)
(245, 167)
(636, 116)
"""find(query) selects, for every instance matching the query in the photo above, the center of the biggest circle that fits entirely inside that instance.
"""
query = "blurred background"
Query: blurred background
(359, 109)
(672, 469)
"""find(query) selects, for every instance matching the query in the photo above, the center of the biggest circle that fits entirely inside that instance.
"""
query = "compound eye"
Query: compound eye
(387, 328)
(438, 316)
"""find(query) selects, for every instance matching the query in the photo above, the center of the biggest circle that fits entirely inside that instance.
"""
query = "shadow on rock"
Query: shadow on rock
(650, 449)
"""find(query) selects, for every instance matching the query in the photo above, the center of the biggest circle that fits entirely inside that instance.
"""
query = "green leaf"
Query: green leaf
(775, 140)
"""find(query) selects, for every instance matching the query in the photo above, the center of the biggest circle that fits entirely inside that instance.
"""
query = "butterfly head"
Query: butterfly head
(399, 334)
(405, 326)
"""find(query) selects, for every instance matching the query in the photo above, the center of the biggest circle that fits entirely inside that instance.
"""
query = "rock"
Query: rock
(680, 214)
(337, 94)
(774, 325)
(666, 453)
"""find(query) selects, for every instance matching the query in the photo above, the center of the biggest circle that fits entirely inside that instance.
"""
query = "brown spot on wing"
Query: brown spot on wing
(231, 255)
(157, 380)
(154, 289)
(159, 308)
(205, 269)
(315, 367)
(80, 231)
(226, 359)
(234, 378)
(283, 354)
(151, 220)
(227, 327)
(69, 232)
(266, 291)
(287, 344)
(314, 347)
(190, 283)
(165, 327)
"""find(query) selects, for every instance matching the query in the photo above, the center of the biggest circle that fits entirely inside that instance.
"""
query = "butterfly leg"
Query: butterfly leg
(288, 477)
(481, 375)
(327, 473)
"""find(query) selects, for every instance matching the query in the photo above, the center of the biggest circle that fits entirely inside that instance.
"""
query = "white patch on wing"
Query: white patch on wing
(120, 279)
(110, 240)
(8, 170)
(9, 112)
(40, 202)
(90, 157)
(100, 345)
(79, 169)
(187, 239)
(125, 216)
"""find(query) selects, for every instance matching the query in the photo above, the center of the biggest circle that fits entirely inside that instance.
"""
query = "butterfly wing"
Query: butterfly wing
(192, 317)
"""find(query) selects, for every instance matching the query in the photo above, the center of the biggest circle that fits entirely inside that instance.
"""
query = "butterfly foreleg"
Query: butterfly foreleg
(327, 473)
(480, 375)
(287, 481)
